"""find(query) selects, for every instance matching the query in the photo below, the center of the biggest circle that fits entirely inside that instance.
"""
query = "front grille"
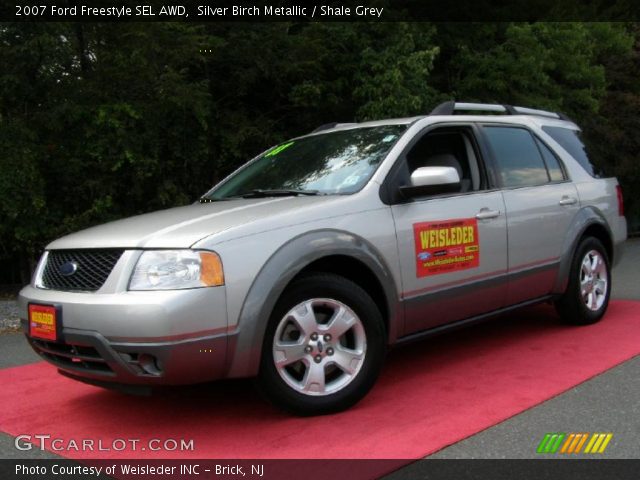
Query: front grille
(78, 357)
(92, 269)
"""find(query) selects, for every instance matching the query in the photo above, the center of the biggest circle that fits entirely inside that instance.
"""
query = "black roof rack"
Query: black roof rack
(450, 107)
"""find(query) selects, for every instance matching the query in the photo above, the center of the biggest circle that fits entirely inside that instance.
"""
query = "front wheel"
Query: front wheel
(324, 346)
(587, 296)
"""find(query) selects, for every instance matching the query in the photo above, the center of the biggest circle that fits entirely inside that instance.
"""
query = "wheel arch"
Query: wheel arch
(588, 222)
(358, 272)
(326, 250)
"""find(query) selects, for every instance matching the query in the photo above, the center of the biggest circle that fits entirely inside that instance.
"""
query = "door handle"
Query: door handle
(485, 214)
(566, 200)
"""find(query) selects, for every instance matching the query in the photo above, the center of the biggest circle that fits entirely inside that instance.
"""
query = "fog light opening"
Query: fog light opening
(149, 364)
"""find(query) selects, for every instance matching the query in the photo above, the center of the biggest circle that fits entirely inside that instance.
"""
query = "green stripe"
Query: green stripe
(558, 441)
(278, 149)
(550, 443)
(543, 443)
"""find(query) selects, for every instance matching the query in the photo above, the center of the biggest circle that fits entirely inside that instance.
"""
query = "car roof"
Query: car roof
(447, 112)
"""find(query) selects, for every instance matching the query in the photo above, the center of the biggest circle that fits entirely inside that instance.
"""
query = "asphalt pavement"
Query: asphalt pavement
(609, 402)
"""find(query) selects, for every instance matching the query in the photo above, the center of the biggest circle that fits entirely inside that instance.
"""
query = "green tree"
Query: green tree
(612, 134)
(553, 66)
(97, 121)
(101, 121)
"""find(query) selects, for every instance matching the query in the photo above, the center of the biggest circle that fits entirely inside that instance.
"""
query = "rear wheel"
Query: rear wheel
(587, 296)
(324, 346)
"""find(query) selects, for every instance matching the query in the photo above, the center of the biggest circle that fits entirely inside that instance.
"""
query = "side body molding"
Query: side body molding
(585, 217)
(245, 346)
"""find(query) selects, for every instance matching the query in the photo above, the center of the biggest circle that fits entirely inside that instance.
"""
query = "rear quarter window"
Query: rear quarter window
(553, 164)
(570, 140)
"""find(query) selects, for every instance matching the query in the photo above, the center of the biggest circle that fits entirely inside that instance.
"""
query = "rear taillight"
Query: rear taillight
(620, 200)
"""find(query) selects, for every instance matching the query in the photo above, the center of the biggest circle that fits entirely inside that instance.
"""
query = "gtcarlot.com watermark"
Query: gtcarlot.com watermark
(56, 444)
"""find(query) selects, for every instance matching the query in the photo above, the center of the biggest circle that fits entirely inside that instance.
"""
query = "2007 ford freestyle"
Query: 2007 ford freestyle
(303, 266)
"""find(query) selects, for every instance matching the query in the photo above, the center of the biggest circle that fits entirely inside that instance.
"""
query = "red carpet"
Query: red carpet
(431, 394)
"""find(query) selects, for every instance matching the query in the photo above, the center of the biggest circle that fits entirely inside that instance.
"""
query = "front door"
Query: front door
(453, 253)
(452, 247)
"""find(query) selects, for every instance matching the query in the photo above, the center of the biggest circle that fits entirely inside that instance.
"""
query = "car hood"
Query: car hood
(181, 227)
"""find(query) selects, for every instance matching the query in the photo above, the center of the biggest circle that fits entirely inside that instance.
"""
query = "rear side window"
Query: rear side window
(553, 164)
(570, 140)
(518, 159)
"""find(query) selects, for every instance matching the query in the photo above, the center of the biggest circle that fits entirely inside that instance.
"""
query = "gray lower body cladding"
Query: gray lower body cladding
(89, 355)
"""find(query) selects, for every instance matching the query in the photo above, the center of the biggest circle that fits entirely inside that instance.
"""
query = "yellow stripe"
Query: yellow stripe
(598, 442)
(584, 439)
(591, 442)
(567, 442)
(573, 444)
(605, 443)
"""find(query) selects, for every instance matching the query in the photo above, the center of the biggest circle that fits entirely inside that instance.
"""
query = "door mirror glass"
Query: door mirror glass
(431, 176)
(431, 181)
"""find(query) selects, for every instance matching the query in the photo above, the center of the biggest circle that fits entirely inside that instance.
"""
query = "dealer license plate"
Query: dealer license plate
(43, 322)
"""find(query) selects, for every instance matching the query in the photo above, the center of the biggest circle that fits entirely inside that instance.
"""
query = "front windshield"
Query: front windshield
(332, 163)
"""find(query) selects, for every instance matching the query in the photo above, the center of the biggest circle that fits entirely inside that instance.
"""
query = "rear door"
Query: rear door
(540, 205)
(453, 247)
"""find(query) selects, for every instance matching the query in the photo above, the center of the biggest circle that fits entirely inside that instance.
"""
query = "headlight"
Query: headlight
(176, 269)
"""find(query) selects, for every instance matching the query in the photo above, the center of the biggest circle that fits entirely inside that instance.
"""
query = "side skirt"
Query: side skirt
(432, 332)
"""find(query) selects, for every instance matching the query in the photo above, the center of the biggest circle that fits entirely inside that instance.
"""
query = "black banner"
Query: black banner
(292, 10)
(534, 469)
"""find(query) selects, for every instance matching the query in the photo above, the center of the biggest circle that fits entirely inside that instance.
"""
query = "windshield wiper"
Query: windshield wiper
(264, 193)
(261, 193)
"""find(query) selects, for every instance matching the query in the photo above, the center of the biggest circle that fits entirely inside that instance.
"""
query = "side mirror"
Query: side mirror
(431, 181)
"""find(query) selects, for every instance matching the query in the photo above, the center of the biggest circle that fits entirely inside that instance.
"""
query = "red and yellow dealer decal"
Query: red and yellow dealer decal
(446, 246)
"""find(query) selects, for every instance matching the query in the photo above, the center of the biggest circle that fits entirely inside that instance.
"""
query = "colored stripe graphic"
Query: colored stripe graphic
(573, 443)
(543, 443)
(594, 437)
(565, 447)
(556, 445)
(551, 442)
(598, 442)
(606, 442)
(581, 442)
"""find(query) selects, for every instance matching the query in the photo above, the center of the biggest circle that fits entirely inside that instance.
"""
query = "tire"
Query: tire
(586, 298)
(333, 335)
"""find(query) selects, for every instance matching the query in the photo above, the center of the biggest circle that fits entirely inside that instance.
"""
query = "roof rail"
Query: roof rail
(328, 126)
(450, 107)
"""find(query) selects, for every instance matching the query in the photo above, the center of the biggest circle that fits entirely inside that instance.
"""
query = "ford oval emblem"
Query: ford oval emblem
(68, 268)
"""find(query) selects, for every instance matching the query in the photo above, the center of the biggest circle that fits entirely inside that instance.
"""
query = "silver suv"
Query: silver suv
(305, 264)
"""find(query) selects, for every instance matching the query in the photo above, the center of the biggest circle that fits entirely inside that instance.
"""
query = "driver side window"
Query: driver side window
(448, 147)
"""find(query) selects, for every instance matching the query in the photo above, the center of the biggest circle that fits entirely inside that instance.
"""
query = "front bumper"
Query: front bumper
(135, 338)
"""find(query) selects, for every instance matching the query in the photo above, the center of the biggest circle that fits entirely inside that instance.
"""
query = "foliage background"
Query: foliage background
(104, 120)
